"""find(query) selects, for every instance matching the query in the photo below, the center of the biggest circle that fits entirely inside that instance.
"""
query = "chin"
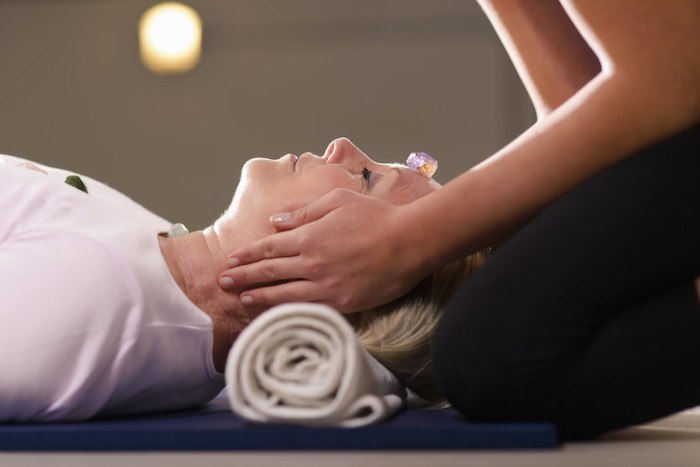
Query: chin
(254, 164)
(254, 173)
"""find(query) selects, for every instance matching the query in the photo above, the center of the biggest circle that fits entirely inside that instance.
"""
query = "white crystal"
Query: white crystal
(177, 230)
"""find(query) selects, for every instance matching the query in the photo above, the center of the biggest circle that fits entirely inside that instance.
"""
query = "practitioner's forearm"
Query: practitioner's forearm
(607, 120)
(550, 55)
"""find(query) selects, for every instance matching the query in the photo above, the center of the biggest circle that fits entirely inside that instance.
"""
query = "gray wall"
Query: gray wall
(276, 76)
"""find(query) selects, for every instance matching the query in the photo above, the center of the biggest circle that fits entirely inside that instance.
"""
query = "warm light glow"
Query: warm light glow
(170, 38)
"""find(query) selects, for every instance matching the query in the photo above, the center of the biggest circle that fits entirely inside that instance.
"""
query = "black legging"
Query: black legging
(588, 316)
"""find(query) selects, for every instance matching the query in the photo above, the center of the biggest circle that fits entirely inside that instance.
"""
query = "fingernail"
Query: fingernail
(233, 262)
(279, 218)
(247, 300)
(225, 282)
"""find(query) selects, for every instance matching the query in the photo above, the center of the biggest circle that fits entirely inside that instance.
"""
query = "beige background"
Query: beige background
(276, 76)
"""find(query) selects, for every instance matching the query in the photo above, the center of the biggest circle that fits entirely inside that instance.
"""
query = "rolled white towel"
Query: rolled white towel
(301, 363)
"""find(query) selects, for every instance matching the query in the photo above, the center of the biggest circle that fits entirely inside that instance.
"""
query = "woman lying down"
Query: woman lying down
(109, 309)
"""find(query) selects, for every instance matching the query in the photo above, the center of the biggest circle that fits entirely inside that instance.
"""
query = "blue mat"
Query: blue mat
(215, 429)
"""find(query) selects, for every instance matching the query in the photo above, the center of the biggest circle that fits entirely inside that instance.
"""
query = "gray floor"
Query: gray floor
(672, 442)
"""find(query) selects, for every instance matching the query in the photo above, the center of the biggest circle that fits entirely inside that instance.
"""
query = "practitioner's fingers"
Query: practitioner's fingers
(261, 272)
(314, 211)
(279, 245)
(294, 291)
(348, 257)
(292, 242)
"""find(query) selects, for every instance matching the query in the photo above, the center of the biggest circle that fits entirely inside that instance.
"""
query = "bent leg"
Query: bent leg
(557, 324)
(640, 366)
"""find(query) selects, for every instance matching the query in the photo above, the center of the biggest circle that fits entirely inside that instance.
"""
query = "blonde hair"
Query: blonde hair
(399, 333)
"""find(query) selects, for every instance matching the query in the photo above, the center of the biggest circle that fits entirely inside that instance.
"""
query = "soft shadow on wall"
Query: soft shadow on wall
(275, 77)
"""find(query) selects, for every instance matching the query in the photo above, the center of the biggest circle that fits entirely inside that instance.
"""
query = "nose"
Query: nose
(341, 150)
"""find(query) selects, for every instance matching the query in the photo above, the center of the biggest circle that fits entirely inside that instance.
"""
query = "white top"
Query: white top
(91, 321)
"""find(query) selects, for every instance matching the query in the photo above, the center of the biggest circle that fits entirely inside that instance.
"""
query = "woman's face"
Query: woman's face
(271, 186)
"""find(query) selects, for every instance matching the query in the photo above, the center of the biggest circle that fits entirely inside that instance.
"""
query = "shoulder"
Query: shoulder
(651, 46)
(17, 181)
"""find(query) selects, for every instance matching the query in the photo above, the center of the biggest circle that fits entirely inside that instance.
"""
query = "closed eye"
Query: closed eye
(367, 175)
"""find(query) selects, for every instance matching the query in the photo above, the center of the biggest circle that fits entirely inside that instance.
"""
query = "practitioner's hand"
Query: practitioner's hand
(347, 250)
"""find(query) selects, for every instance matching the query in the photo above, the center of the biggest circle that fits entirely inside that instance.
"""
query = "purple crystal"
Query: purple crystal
(422, 163)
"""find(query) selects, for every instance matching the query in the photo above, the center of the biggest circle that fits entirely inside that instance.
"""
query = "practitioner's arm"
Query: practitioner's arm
(550, 55)
(647, 89)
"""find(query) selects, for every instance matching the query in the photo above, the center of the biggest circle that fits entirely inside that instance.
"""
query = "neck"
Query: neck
(195, 261)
